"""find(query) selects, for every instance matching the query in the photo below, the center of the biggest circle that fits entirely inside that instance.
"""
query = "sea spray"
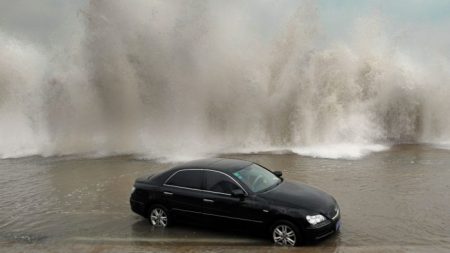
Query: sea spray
(22, 70)
(181, 80)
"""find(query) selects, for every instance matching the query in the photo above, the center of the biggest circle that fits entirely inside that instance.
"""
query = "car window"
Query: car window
(187, 178)
(218, 182)
(257, 178)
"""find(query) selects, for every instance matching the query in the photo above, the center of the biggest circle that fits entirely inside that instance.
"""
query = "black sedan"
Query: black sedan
(230, 191)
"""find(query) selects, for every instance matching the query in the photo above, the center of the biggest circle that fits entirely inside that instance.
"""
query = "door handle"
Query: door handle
(208, 200)
(168, 193)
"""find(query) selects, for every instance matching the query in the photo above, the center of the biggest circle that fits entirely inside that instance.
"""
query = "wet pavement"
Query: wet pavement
(392, 201)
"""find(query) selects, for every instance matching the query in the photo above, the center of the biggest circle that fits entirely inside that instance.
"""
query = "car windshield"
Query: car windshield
(257, 178)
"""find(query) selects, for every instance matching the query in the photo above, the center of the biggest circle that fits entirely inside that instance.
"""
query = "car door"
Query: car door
(183, 192)
(219, 203)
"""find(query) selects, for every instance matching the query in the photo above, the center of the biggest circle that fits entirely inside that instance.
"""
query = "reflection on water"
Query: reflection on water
(399, 197)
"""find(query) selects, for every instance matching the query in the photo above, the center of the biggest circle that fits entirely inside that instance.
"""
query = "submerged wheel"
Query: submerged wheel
(158, 216)
(284, 233)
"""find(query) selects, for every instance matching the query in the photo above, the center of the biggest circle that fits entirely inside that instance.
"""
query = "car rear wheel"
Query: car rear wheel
(158, 216)
(285, 233)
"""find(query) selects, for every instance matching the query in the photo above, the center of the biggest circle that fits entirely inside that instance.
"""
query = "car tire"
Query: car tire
(158, 216)
(285, 233)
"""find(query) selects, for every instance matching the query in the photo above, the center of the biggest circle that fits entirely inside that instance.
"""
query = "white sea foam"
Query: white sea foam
(441, 145)
(340, 150)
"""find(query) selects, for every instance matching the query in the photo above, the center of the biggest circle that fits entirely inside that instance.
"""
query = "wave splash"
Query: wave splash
(180, 80)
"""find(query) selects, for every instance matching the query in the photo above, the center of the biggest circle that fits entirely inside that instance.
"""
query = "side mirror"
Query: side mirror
(239, 193)
(278, 173)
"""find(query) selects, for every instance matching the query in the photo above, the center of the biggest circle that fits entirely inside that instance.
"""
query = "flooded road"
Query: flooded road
(396, 200)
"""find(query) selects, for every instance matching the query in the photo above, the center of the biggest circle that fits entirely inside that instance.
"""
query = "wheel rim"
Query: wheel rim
(284, 235)
(158, 217)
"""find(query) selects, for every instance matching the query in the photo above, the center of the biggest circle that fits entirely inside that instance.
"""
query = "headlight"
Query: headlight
(132, 189)
(315, 219)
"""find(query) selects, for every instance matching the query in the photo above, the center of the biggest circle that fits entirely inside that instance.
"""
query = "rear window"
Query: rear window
(187, 178)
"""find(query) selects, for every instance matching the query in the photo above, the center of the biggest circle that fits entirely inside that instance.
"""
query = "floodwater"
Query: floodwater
(396, 200)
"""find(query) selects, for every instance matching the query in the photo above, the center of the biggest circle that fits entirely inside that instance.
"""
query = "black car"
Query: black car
(230, 191)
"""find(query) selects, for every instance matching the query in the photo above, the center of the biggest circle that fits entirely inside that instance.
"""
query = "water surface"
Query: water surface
(395, 199)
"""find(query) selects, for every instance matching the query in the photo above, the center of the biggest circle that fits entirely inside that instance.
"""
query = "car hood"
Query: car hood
(299, 195)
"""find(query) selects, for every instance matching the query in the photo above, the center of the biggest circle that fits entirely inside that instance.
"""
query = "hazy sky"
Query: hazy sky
(338, 15)
(52, 21)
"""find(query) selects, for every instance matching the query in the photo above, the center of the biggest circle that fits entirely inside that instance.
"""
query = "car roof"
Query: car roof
(220, 164)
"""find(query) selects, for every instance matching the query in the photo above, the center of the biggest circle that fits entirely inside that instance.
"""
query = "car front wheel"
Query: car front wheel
(158, 216)
(285, 233)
